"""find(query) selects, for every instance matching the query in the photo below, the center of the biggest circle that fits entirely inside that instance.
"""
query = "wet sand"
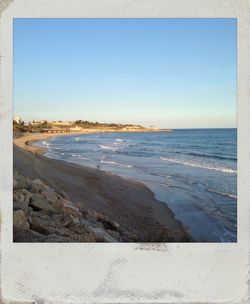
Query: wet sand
(126, 201)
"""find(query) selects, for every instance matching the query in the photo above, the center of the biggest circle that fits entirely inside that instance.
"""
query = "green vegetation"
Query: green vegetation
(87, 124)
(30, 127)
(37, 127)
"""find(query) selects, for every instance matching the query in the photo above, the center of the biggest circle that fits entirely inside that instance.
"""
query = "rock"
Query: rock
(20, 220)
(22, 195)
(38, 182)
(57, 204)
(18, 205)
(54, 238)
(70, 209)
(63, 194)
(29, 212)
(50, 194)
(75, 220)
(48, 222)
(114, 234)
(15, 183)
(20, 183)
(27, 236)
(15, 174)
(102, 235)
(40, 203)
(83, 233)
(129, 237)
(99, 217)
(91, 223)
(34, 188)
(42, 223)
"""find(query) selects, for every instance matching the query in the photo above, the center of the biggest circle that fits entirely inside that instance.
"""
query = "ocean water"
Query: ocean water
(194, 171)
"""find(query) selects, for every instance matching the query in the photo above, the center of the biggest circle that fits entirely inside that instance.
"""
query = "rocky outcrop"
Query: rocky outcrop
(42, 214)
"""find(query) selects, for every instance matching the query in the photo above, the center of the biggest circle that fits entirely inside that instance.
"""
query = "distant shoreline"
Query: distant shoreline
(25, 142)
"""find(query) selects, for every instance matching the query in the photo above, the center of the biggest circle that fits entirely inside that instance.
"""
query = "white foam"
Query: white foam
(84, 158)
(108, 162)
(223, 193)
(115, 163)
(108, 147)
(118, 139)
(226, 170)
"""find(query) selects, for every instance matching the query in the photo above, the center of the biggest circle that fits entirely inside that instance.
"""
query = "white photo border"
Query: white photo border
(125, 273)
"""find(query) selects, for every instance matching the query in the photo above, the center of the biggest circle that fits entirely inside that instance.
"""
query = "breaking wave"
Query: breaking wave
(191, 164)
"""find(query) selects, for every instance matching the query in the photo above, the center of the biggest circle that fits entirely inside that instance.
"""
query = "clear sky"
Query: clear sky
(171, 73)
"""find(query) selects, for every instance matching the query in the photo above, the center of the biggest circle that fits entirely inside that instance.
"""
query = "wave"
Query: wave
(211, 155)
(108, 147)
(222, 193)
(185, 163)
(108, 162)
(115, 163)
(84, 158)
(118, 139)
(44, 143)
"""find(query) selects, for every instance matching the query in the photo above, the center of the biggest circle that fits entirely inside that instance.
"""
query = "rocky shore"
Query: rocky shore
(40, 214)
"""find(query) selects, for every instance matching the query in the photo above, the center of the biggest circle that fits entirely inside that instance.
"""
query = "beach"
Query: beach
(128, 202)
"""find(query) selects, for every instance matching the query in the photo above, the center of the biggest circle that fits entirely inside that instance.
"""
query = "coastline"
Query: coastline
(25, 141)
(125, 201)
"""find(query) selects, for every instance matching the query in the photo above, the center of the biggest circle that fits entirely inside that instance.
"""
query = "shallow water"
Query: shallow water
(193, 171)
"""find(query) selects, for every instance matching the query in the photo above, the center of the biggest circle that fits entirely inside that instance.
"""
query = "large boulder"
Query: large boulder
(20, 220)
(102, 235)
(34, 188)
(38, 202)
(38, 182)
(48, 222)
(50, 194)
(27, 236)
(42, 223)
(99, 217)
(83, 233)
(17, 205)
(22, 195)
(70, 209)
(21, 182)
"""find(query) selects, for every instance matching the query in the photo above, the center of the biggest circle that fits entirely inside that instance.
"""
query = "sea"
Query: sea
(193, 171)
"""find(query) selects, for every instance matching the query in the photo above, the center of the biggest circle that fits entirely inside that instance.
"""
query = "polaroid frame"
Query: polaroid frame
(125, 273)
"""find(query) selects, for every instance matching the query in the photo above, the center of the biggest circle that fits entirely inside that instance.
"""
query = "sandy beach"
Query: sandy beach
(128, 202)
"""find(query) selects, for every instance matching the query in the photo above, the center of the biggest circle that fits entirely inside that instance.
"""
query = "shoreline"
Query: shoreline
(26, 140)
(129, 202)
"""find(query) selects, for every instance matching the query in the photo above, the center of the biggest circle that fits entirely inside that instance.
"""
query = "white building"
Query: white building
(18, 119)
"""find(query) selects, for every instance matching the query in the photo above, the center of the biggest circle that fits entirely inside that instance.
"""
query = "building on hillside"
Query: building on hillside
(75, 129)
(18, 119)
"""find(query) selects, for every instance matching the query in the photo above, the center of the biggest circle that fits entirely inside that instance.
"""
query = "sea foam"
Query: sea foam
(191, 164)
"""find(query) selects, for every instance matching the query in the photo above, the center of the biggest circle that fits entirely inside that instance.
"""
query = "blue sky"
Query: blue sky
(171, 73)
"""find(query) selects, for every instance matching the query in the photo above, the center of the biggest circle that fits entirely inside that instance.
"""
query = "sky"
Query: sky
(170, 73)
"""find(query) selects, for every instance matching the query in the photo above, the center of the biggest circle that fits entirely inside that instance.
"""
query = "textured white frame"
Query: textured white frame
(125, 273)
